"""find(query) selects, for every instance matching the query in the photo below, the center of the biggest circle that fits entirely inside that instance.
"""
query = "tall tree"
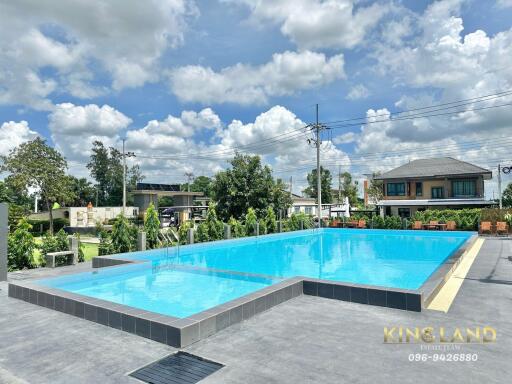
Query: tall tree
(200, 184)
(83, 190)
(34, 164)
(375, 190)
(326, 181)
(106, 167)
(349, 188)
(247, 184)
(507, 196)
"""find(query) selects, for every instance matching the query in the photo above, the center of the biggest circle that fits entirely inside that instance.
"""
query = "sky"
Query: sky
(187, 83)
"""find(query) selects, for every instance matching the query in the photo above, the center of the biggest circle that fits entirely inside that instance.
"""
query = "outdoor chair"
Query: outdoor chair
(417, 225)
(361, 223)
(451, 225)
(485, 226)
(501, 228)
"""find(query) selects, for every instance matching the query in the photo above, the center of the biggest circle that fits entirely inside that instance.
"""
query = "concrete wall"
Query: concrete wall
(3, 241)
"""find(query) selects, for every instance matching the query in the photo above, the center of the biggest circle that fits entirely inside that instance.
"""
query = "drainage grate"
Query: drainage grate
(179, 368)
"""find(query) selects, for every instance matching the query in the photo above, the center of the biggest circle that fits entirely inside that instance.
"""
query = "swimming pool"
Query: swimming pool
(186, 280)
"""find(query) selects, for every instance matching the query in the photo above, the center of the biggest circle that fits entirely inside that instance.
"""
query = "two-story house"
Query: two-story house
(442, 183)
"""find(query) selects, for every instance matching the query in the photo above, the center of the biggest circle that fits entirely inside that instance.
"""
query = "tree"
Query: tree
(56, 243)
(247, 184)
(349, 188)
(375, 190)
(507, 196)
(123, 235)
(151, 226)
(20, 248)
(34, 164)
(326, 181)
(106, 167)
(200, 184)
(83, 190)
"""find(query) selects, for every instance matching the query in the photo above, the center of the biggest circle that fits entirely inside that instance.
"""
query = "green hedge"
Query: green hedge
(466, 219)
(58, 224)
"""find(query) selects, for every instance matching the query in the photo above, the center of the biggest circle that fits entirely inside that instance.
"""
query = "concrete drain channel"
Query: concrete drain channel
(178, 368)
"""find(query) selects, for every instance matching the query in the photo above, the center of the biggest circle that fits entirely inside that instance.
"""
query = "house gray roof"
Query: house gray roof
(436, 167)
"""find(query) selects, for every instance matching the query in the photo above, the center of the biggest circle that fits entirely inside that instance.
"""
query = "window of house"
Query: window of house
(404, 212)
(309, 210)
(419, 189)
(437, 192)
(464, 188)
(395, 189)
(297, 209)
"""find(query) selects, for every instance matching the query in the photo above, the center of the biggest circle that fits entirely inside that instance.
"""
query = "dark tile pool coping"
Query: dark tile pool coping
(181, 332)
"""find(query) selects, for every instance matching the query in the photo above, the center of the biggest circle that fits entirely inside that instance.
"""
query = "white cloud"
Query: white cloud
(286, 74)
(73, 129)
(77, 39)
(14, 133)
(358, 92)
(313, 24)
(74, 120)
(345, 138)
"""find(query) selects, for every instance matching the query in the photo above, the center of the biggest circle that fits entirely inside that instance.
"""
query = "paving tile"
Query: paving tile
(377, 297)
(396, 300)
(359, 295)
(341, 292)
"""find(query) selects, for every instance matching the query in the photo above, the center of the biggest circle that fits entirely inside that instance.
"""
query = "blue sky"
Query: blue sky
(247, 70)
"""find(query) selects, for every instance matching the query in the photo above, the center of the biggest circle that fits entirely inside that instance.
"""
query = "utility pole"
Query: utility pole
(499, 186)
(125, 155)
(317, 128)
(339, 184)
(291, 185)
(190, 176)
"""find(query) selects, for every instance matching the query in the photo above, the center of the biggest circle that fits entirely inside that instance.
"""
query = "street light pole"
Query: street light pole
(499, 186)
(124, 179)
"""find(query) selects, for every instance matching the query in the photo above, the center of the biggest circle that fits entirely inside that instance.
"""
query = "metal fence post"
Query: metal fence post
(279, 226)
(3, 241)
(257, 229)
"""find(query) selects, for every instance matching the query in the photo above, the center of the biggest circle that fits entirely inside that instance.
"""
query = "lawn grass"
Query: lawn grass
(90, 250)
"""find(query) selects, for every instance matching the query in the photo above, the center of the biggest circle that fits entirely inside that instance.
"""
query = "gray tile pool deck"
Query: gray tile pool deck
(305, 339)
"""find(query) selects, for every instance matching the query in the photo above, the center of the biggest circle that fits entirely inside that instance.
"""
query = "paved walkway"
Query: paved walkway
(305, 340)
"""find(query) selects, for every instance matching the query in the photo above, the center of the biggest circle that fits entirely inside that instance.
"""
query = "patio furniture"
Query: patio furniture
(334, 224)
(70, 258)
(451, 225)
(361, 224)
(433, 224)
(485, 226)
(501, 228)
(417, 225)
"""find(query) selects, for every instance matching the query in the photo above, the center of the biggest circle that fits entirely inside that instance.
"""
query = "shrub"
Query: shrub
(214, 227)
(151, 227)
(124, 235)
(378, 222)
(250, 222)
(237, 228)
(293, 223)
(105, 246)
(182, 231)
(270, 221)
(20, 248)
(56, 243)
(81, 255)
(466, 219)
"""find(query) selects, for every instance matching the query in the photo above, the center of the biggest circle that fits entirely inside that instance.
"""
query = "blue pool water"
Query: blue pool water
(186, 280)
